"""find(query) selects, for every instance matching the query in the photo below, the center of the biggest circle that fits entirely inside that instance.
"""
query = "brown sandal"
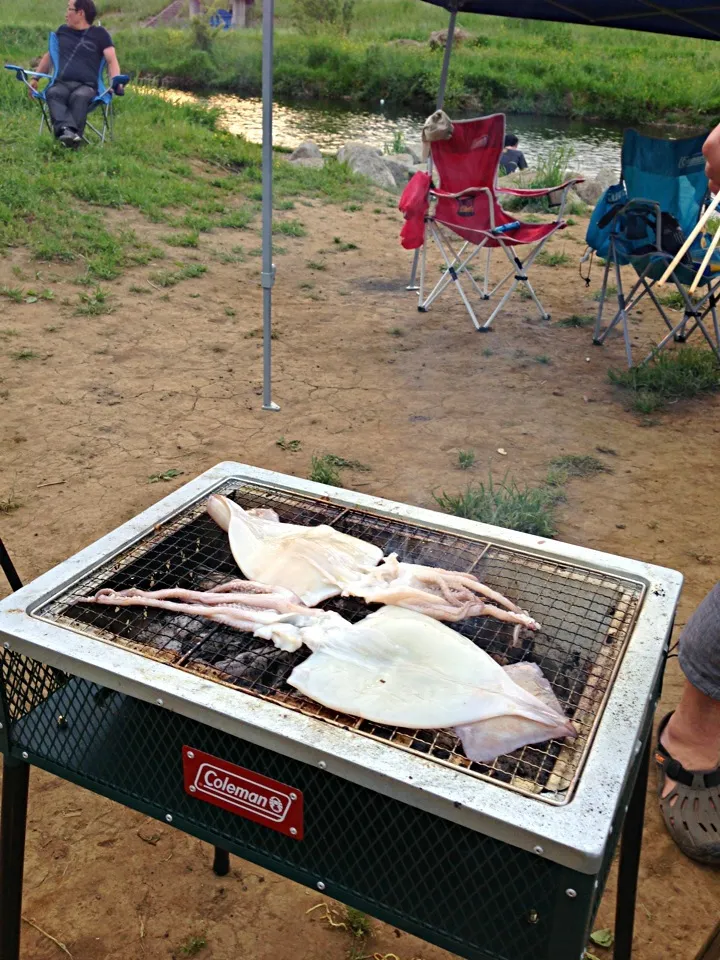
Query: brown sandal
(692, 808)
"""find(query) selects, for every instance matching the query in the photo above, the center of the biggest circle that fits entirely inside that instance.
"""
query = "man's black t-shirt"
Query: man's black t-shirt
(513, 160)
(81, 53)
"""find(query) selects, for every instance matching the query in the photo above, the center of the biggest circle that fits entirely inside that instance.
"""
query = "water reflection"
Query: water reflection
(596, 146)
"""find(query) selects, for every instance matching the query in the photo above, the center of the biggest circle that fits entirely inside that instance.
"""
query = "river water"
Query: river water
(596, 146)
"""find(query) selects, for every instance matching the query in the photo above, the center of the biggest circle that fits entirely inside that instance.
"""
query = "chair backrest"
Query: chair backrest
(669, 172)
(54, 51)
(471, 157)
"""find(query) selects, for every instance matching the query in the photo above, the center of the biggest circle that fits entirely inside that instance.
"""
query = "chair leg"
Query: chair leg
(412, 285)
(13, 821)
(597, 338)
(630, 861)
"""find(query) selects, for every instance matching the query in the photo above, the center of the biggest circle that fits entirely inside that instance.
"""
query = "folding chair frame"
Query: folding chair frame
(457, 267)
(695, 312)
(105, 105)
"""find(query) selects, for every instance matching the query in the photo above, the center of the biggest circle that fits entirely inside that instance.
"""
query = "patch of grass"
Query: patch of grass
(335, 461)
(170, 278)
(25, 354)
(579, 465)
(229, 312)
(289, 228)
(283, 204)
(610, 291)
(192, 946)
(164, 477)
(358, 923)
(672, 299)
(344, 245)
(12, 293)
(571, 221)
(94, 303)
(292, 445)
(324, 472)
(9, 332)
(396, 332)
(577, 320)
(10, 503)
(190, 239)
(556, 259)
(134, 288)
(307, 286)
(466, 458)
(670, 376)
(523, 293)
(53, 328)
(238, 219)
(542, 358)
(316, 265)
(487, 352)
(505, 503)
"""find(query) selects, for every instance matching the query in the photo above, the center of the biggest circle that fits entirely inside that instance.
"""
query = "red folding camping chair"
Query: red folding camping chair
(466, 206)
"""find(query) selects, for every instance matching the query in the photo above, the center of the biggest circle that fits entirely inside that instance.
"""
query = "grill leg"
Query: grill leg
(13, 819)
(8, 568)
(630, 861)
(221, 865)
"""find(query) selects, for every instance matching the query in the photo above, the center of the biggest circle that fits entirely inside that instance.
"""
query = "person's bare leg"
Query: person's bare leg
(692, 735)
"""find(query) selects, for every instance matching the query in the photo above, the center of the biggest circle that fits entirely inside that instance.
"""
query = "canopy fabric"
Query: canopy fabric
(680, 18)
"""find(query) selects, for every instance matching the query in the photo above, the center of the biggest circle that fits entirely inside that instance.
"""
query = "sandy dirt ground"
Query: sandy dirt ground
(170, 380)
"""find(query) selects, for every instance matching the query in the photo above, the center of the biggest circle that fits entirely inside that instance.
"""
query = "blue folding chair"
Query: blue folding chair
(642, 222)
(103, 100)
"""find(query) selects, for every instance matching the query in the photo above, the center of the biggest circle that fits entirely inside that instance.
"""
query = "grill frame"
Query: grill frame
(574, 835)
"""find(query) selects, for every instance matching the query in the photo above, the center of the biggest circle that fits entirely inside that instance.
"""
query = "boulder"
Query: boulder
(353, 147)
(520, 178)
(590, 191)
(306, 151)
(368, 161)
(415, 150)
(315, 162)
(438, 39)
(401, 171)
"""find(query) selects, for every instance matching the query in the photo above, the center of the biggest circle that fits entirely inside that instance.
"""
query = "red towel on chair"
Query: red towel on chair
(414, 205)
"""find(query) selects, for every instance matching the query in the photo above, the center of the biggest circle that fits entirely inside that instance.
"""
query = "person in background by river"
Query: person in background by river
(512, 158)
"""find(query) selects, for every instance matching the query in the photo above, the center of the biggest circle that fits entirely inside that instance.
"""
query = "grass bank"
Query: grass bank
(168, 162)
(514, 65)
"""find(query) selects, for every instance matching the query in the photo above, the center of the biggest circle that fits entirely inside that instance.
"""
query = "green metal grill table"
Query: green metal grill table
(194, 724)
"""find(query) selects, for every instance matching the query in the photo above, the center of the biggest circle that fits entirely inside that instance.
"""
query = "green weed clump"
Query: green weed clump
(670, 376)
(505, 503)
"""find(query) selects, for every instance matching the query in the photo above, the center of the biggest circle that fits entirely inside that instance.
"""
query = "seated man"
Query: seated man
(512, 159)
(82, 48)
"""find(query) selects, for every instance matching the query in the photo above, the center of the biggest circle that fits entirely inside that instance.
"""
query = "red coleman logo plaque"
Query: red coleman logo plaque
(244, 792)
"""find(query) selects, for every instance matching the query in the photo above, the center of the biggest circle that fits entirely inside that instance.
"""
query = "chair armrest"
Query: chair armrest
(540, 191)
(22, 74)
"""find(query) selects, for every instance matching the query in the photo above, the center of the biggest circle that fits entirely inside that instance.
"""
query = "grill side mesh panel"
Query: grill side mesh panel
(475, 895)
(586, 616)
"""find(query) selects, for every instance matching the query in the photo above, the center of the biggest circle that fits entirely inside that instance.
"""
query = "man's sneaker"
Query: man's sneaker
(67, 137)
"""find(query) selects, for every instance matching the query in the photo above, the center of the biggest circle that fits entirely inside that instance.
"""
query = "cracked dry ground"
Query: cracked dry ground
(171, 380)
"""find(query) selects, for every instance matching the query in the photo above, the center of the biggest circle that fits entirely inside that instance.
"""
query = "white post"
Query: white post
(239, 14)
(195, 8)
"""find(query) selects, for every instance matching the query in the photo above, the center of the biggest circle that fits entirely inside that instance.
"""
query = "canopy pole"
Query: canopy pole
(446, 59)
(412, 283)
(268, 267)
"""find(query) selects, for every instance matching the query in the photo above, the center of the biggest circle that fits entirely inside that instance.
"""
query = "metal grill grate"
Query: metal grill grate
(586, 617)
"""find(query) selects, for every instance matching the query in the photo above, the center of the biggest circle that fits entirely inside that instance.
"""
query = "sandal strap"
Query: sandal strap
(698, 779)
